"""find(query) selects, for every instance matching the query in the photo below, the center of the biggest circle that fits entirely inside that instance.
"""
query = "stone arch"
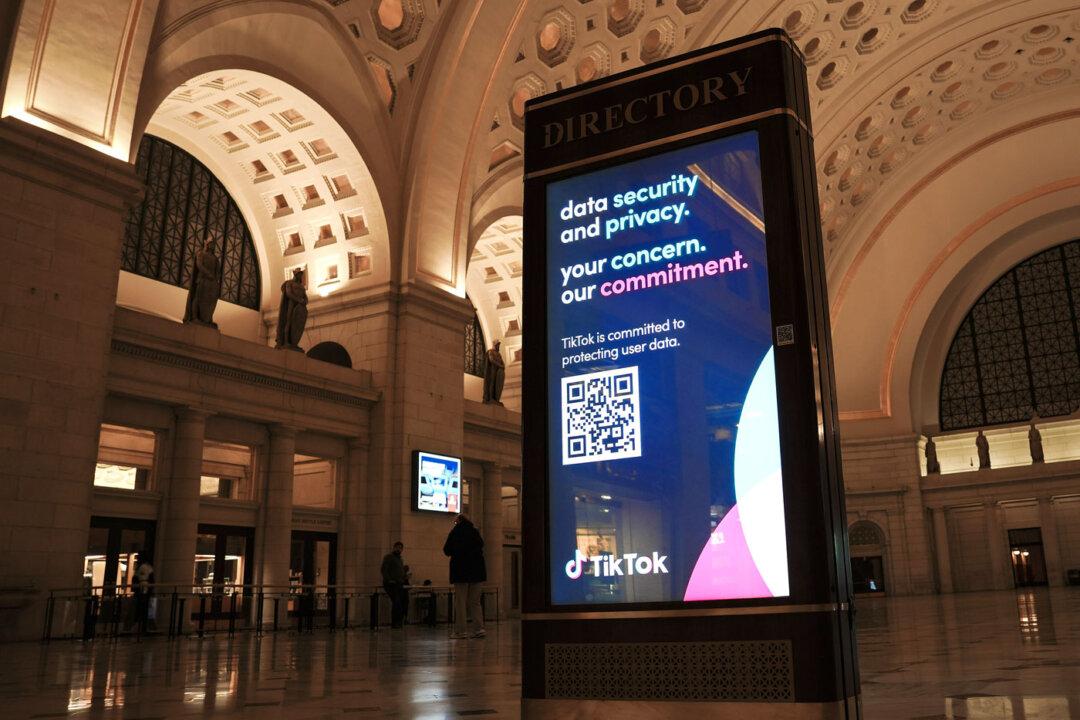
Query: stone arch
(1029, 230)
(297, 45)
(917, 240)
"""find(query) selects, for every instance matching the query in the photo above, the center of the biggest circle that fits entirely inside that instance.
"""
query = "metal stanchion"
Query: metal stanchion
(374, 612)
(259, 614)
(202, 614)
(232, 614)
(345, 620)
(47, 630)
(276, 601)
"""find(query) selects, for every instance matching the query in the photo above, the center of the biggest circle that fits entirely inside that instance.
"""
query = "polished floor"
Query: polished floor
(1005, 656)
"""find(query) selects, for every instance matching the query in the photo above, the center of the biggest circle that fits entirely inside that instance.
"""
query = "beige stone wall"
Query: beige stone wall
(60, 212)
(881, 480)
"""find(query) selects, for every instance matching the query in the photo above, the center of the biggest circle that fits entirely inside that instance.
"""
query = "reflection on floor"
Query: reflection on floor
(1004, 656)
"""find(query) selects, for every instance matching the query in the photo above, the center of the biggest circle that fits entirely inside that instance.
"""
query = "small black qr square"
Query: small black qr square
(601, 416)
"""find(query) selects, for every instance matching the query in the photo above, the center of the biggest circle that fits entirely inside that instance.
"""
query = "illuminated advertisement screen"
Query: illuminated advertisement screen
(664, 472)
(437, 482)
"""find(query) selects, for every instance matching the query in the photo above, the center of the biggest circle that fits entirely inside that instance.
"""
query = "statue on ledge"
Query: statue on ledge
(983, 446)
(292, 313)
(933, 467)
(1035, 443)
(494, 375)
(205, 287)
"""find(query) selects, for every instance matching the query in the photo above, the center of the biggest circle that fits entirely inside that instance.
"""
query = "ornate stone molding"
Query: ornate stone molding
(244, 376)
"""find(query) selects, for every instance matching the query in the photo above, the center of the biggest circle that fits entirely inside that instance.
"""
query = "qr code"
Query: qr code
(600, 416)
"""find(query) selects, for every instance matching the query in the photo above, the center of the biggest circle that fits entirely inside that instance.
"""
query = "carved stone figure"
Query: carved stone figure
(292, 314)
(494, 375)
(205, 287)
(1035, 443)
(933, 467)
(983, 446)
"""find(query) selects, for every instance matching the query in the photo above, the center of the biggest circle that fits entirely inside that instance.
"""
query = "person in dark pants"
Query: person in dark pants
(394, 579)
(465, 548)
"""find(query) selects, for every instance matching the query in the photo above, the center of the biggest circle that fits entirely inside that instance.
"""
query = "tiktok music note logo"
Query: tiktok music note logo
(574, 568)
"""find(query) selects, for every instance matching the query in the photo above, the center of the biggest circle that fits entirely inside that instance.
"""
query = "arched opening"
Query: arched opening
(1016, 354)
(867, 543)
(298, 182)
(493, 284)
(331, 352)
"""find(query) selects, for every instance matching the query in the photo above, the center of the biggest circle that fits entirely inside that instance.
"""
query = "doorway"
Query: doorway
(115, 548)
(312, 571)
(868, 574)
(223, 568)
(1028, 559)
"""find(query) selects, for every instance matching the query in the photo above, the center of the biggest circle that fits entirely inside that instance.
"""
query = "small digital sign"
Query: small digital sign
(436, 482)
(664, 468)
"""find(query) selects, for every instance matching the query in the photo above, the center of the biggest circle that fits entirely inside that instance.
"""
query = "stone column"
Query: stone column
(1051, 546)
(941, 551)
(176, 548)
(62, 207)
(493, 527)
(278, 502)
(999, 550)
(352, 542)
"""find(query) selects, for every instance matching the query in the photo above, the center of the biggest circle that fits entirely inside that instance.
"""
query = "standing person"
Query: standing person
(394, 578)
(144, 589)
(465, 548)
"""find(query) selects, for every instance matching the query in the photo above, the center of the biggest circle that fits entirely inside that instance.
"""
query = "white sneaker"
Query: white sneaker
(480, 633)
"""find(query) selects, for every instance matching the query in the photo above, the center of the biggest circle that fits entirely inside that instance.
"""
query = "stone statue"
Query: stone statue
(494, 375)
(1035, 443)
(205, 287)
(292, 314)
(983, 447)
(933, 467)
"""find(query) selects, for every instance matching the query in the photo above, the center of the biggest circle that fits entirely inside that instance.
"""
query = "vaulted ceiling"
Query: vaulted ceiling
(943, 129)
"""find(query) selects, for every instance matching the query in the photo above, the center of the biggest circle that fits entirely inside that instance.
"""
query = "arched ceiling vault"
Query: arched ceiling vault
(307, 193)
(898, 87)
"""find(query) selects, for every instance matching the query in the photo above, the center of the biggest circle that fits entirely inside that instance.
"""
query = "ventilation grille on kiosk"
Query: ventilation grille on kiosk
(734, 671)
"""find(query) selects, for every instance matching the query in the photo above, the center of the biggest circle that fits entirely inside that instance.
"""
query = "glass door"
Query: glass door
(312, 571)
(1028, 560)
(223, 568)
(115, 548)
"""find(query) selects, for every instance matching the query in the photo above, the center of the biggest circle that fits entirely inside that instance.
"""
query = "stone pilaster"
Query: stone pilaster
(180, 528)
(998, 544)
(1051, 546)
(353, 540)
(61, 223)
(493, 527)
(278, 502)
(428, 414)
(941, 551)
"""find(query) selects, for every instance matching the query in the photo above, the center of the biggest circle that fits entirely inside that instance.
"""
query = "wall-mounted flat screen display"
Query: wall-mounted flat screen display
(436, 482)
(664, 470)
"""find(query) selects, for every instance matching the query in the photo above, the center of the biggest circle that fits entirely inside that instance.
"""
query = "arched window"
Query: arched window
(185, 203)
(865, 532)
(475, 349)
(1017, 353)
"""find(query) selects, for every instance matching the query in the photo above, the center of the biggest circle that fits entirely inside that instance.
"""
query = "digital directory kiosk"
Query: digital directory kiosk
(684, 535)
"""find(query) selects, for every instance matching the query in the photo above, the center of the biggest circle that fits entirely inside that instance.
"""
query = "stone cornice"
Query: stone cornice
(205, 367)
(48, 159)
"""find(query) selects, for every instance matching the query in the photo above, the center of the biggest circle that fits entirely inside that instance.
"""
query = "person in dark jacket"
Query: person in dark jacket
(465, 548)
(395, 577)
